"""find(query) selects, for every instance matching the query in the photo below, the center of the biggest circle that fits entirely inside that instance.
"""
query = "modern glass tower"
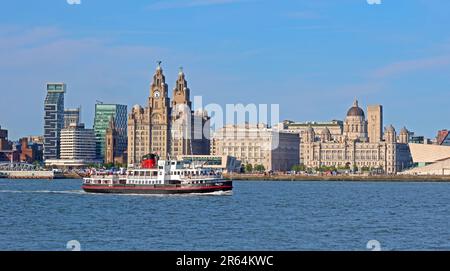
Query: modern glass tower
(53, 119)
(103, 115)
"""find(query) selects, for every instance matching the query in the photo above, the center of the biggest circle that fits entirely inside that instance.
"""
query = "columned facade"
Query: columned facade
(354, 149)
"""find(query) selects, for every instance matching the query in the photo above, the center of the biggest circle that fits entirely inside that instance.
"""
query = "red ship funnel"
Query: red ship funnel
(149, 161)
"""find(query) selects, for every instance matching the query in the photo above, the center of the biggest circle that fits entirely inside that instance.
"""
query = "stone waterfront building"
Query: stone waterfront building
(362, 144)
(258, 144)
(114, 153)
(166, 128)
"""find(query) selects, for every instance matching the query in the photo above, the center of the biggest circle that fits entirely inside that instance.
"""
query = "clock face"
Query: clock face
(156, 94)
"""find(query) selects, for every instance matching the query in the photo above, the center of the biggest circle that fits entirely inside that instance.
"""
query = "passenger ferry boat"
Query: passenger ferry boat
(159, 177)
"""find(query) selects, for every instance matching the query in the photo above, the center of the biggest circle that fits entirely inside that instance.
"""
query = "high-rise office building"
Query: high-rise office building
(4, 143)
(53, 119)
(77, 143)
(6, 147)
(103, 115)
(71, 116)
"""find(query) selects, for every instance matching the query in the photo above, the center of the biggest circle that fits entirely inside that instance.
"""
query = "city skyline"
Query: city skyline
(377, 54)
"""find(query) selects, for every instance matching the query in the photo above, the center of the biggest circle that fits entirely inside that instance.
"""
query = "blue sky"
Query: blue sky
(311, 57)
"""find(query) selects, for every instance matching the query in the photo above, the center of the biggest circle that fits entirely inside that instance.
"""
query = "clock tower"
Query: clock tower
(159, 115)
(181, 118)
(166, 128)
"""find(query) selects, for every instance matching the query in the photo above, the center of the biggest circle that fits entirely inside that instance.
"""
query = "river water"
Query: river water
(259, 215)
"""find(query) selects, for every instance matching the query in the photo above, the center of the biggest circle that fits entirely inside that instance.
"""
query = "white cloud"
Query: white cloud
(374, 2)
(92, 68)
(74, 2)
(407, 66)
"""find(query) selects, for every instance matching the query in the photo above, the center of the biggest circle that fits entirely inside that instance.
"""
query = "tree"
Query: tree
(37, 164)
(355, 168)
(298, 168)
(260, 168)
(248, 168)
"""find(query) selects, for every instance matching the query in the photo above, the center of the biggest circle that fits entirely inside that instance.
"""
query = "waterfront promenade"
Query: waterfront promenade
(255, 177)
(348, 178)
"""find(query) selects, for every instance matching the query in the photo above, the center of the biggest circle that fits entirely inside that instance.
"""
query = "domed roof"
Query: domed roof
(355, 110)
(404, 131)
(390, 128)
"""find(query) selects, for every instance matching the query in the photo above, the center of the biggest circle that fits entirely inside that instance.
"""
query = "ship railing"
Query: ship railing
(142, 177)
(203, 177)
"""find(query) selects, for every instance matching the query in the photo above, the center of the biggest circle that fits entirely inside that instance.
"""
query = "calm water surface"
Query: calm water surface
(45, 215)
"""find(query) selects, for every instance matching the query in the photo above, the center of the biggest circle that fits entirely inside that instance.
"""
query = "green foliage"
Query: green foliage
(326, 168)
(248, 168)
(260, 168)
(298, 168)
(346, 167)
